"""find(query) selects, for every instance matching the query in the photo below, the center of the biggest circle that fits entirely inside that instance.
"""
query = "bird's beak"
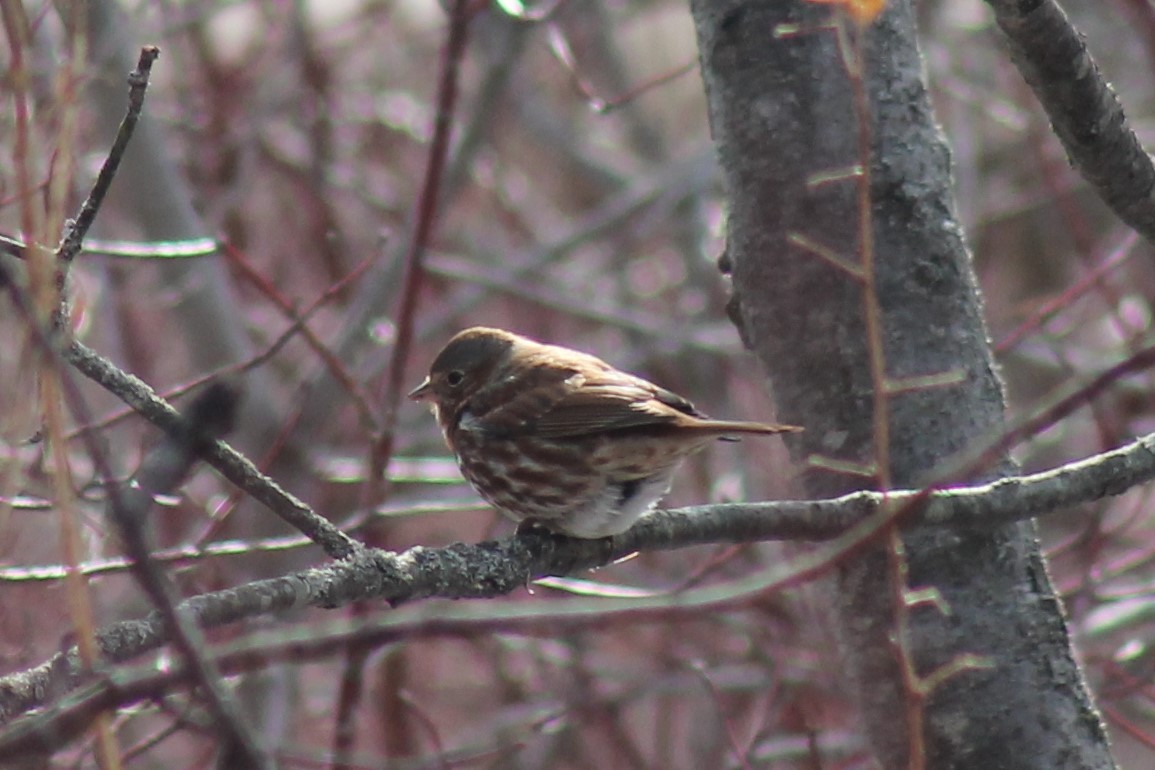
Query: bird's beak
(421, 392)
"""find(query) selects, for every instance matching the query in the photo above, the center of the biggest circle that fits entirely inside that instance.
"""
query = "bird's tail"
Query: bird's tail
(726, 428)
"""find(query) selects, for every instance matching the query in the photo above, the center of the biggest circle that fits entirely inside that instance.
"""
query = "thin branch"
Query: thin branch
(211, 414)
(360, 399)
(461, 11)
(137, 85)
(231, 464)
(1085, 113)
(494, 568)
(309, 642)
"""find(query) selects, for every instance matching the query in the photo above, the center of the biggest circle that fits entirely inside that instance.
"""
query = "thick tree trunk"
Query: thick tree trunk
(782, 113)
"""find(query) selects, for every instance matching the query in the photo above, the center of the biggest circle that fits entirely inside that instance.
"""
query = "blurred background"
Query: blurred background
(580, 205)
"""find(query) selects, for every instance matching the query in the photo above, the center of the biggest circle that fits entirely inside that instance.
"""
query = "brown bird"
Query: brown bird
(559, 437)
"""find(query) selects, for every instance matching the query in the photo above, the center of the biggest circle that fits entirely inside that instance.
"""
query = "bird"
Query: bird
(558, 438)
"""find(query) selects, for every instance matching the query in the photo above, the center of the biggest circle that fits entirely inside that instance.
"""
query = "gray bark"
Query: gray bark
(781, 112)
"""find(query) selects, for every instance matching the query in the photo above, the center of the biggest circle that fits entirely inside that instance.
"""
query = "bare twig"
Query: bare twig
(494, 568)
(460, 13)
(78, 228)
(40, 221)
(1084, 111)
(426, 216)
(210, 415)
(231, 464)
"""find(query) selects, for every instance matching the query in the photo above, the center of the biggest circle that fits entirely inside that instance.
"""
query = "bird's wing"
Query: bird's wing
(613, 404)
(513, 405)
(557, 401)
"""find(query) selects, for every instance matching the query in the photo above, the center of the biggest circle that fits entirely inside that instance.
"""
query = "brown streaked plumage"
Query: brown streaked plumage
(560, 437)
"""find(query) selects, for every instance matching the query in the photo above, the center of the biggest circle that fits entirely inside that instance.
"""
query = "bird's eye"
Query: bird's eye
(455, 378)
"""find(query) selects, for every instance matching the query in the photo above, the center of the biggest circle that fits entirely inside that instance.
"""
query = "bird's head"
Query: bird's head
(465, 364)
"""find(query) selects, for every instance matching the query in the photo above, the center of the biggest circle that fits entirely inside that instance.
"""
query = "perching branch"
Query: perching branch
(490, 569)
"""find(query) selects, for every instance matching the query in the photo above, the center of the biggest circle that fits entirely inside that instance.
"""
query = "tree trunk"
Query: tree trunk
(782, 113)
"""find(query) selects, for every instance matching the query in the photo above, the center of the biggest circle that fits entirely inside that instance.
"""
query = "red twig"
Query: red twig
(411, 280)
(361, 399)
(426, 215)
(1088, 281)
